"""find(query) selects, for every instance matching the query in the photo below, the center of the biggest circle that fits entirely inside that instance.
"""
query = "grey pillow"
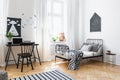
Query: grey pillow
(94, 47)
(86, 48)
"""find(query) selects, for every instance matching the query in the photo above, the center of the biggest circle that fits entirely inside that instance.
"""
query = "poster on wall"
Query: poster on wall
(95, 23)
(14, 26)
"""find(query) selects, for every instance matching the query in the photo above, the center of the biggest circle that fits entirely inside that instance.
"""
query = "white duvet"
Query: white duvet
(90, 53)
(85, 54)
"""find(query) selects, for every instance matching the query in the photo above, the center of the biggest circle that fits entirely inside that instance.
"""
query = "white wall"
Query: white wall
(109, 10)
(26, 7)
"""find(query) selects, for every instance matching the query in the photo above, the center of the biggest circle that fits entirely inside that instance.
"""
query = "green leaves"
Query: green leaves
(9, 36)
(54, 38)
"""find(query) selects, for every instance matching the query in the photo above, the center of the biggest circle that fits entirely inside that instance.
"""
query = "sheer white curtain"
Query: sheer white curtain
(55, 16)
(1, 34)
(42, 31)
(56, 21)
(73, 23)
(3, 13)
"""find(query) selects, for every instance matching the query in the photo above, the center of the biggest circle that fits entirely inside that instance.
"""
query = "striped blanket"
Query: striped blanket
(76, 57)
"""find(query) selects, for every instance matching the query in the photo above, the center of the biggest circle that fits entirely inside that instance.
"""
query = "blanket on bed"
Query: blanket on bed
(76, 57)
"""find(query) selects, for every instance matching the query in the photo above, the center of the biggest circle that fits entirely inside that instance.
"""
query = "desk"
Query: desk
(11, 51)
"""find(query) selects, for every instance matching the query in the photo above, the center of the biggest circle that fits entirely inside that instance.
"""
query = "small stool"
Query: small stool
(3, 75)
(113, 55)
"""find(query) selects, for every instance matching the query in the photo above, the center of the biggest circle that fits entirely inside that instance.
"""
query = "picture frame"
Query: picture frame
(95, 23)
(14, 26)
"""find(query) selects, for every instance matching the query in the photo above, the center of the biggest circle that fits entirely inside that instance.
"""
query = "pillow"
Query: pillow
(100, 50)
(86, 48)
(83, 45)
(94, 47)
(99, 46)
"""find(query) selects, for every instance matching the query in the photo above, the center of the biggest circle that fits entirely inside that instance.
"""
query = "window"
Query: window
(56, 11)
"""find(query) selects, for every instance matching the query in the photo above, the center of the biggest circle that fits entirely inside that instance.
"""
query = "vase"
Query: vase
(61, 37)
(9, 43)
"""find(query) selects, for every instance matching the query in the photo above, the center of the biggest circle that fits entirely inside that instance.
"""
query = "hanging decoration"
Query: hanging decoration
(29, 21)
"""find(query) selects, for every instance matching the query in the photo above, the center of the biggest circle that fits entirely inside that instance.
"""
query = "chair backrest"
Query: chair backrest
(61, 48)
(27, 47)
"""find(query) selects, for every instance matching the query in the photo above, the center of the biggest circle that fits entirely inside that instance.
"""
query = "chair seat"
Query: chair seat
(25, 55)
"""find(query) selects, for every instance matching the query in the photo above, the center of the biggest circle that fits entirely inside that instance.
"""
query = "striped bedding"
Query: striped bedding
(75, 59)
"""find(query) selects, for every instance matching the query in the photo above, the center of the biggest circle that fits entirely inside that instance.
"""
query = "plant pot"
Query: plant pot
(9, 43)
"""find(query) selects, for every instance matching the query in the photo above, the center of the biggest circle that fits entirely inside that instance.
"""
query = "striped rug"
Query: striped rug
(50, 75)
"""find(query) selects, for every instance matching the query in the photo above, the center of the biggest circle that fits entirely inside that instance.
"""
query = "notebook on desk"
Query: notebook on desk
(17, 40)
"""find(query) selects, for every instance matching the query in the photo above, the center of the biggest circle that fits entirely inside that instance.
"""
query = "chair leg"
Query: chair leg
(102, 59)
(27, 62)
(22, 64)
(38, 55)
(55, 59)
(31, 63)
(18, 61)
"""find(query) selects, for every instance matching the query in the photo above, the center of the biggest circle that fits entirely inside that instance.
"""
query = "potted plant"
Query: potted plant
(9, 36)
(54, 38)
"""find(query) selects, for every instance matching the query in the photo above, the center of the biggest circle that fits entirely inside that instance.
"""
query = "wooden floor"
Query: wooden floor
(91, 70)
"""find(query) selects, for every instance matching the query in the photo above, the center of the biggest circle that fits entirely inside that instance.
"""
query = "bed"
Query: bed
(90, 49)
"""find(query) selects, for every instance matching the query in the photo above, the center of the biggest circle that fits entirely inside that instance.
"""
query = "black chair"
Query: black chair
(26, 52)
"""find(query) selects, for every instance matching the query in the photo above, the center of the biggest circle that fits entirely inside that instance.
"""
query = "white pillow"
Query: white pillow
(86, 48)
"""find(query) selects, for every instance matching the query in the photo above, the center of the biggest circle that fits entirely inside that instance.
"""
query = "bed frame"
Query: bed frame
(88, 41)
(95, 41)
